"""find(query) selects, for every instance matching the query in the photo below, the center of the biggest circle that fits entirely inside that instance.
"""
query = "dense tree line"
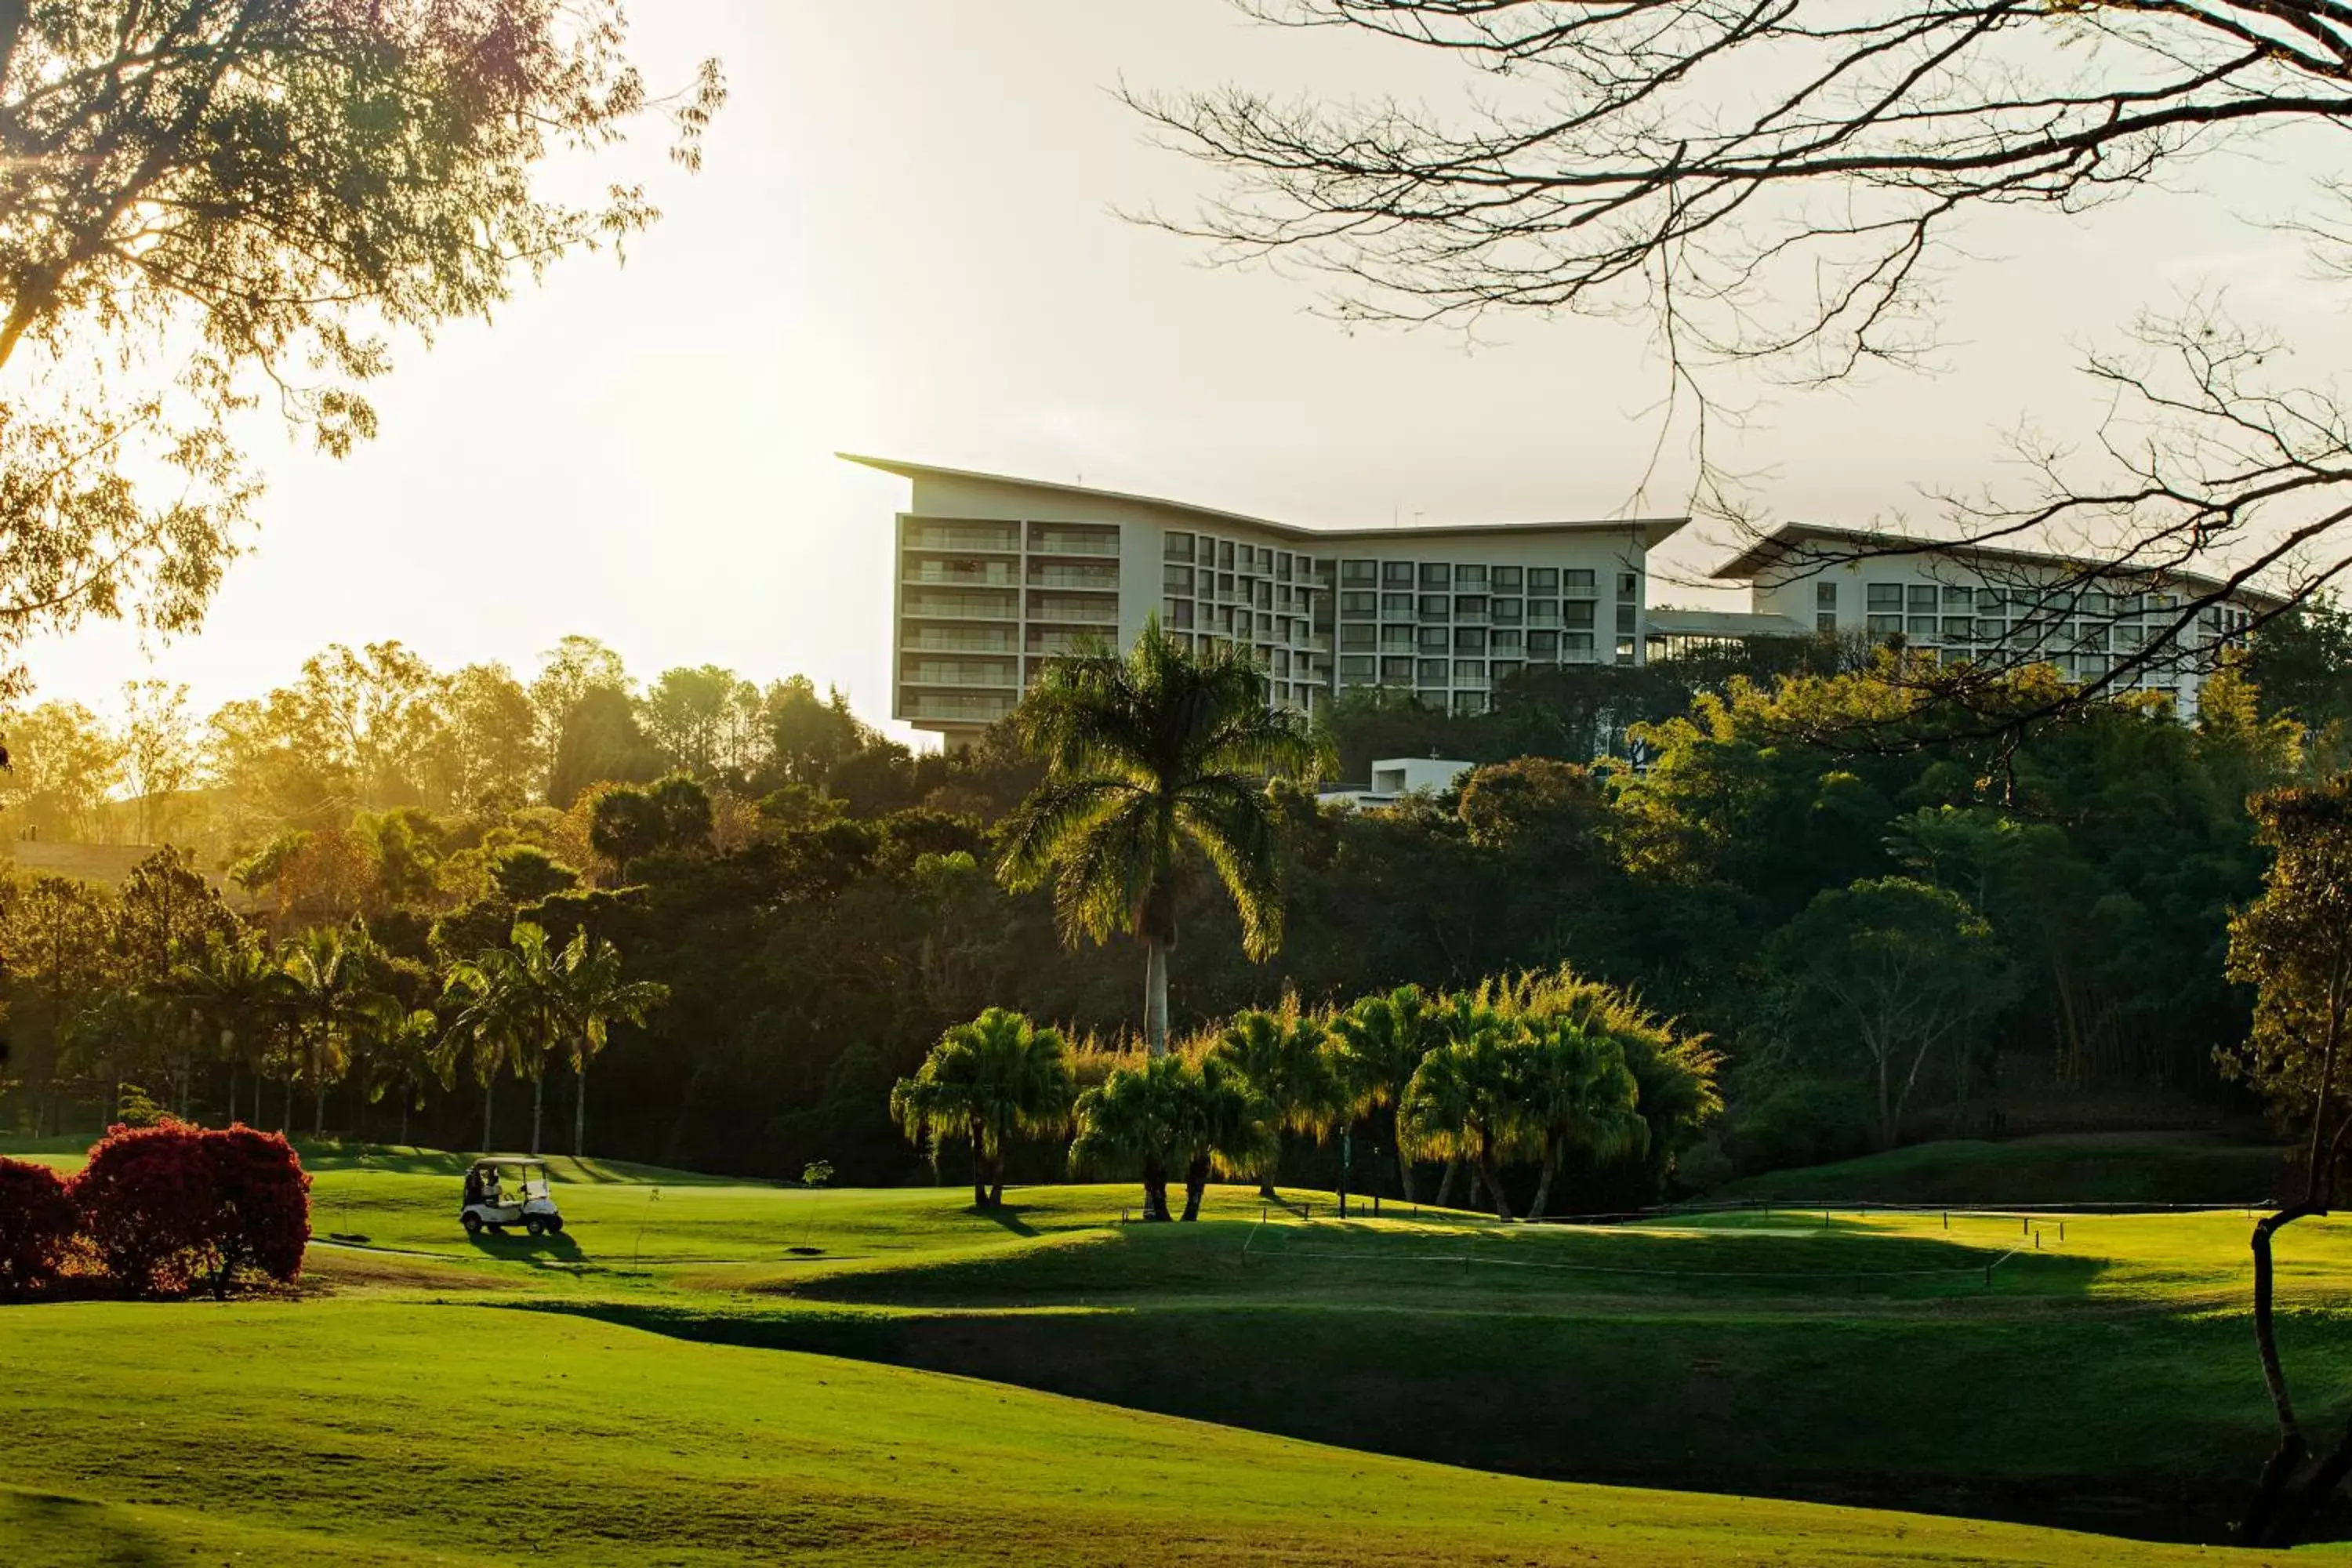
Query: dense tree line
(1867, 932)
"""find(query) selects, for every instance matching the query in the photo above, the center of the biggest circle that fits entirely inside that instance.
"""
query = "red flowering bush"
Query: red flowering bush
(37, 1224)
(172, 1205)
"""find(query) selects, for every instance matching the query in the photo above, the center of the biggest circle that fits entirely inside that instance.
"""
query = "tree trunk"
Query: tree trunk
(489, 1087)
(1196, 1183)
(1543, 1182)
(538, 1110)
(232, 1092)
(286, 1111)
(1495, 1186)
(1886, 1102)
(1155, 996)
(996, 1187)
(1155, 1190)
(580, 1109)
(979, 1171)
(1444, 1198)
(1403, 1160)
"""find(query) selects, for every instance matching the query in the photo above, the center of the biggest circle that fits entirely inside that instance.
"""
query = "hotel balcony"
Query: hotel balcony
(1002, 538)
(936, 605)
(958, 639)
(1002, 675)
(1046, 541)
(1099, 579)
(975, 708)
(1053, 645)
(960, 575)
(1081, 609)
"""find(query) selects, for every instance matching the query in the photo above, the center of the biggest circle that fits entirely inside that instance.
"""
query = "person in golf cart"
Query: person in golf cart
(501, 1192)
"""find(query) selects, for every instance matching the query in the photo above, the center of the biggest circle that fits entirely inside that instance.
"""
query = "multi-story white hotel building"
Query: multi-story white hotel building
(997, 574)
(1996, 605)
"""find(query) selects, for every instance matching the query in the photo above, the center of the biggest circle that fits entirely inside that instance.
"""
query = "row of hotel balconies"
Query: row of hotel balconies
(1006, 539)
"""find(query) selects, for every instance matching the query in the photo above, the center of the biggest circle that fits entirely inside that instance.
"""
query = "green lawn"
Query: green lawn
(699, 1364)
(2085, 1168)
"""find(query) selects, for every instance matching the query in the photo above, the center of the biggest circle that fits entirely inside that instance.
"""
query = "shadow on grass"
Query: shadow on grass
(519, 1247)
(75, 1531)
(1009, 1217)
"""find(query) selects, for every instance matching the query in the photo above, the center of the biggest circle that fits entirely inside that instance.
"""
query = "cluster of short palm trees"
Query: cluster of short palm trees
(1548, 1072)
(321, 1009)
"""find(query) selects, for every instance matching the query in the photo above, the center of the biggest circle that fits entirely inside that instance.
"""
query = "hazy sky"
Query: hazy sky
(903, 242)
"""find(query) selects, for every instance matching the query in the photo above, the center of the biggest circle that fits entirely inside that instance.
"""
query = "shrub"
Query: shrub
(37, 1224)
(172, 1205)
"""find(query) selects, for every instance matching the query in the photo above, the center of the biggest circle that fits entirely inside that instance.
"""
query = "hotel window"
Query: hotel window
(1282, 567)
(1224, 555)
(1358, 574)
(1206, 553)
(1436, 639)
(1396, 671)
(1885, 605)
(1176, 547)
(1469, 704)
(1959, 599)
(1433, 671)
(1543, 579)
(1469, 640)
(1503, 641)
(1578, 613)
(1543, 645)
(1224, 584)
(1826, 623)
(1265, 595)
(1959, 628)
(1469, 606)
(1355, 671)
(1921, 620)
(1629, 585)
(1504, 668)
(1825, 596)
(1435, 606)
(1396, 573)
(1469, 579)
(1396, 607)
(1364, 604)
(1505, 580)
(1436, 575)
(1180, 613)
(1507, 612)
(1576, 581)
(1469, 669)
(1576, 642)
(1176, 579)
(1625, 613)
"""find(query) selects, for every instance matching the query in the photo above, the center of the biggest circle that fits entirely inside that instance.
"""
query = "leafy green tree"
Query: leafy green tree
(1223, 1122)
(595, 993)
(701, 720)
(1284, 1055)
(235, 992)
(514, 1004)
(212, 195)
(1466, 1101)
(807, 736)
(1130, 1120)
(1378, 1045)
(628, 825)
(2294, 945)
(332, 992)
(1579, 1099)
(525, 873)
(59, 941)
(990, 1081)
(63, 763)
(1147, 756)
(1897, 965)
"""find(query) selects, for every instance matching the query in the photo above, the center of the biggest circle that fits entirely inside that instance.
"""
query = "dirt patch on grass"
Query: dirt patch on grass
(329, 1270)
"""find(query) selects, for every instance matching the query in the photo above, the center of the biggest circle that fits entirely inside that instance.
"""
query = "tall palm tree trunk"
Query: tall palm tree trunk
(1155, 996)
(580, 1109)
(1196, 1183)
(490, 1088)
(1403, 1160)
(1543, 1182)
(538, 1108)
(978, 1169)
(1444, 1198)
(1495, 1186)
(286, 1111)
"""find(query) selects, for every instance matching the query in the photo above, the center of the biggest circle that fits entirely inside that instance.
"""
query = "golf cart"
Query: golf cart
(501, 1192)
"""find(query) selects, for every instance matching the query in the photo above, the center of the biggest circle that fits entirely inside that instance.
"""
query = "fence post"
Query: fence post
(1947, 1219)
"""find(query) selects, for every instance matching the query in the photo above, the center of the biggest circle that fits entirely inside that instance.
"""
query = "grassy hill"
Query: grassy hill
(2059, 1168)
(705, 1362)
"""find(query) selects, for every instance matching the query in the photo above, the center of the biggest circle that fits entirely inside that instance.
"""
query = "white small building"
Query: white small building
(1393, 778)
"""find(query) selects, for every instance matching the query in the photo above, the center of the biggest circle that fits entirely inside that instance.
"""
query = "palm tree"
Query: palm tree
(1147, 756)
(1283, 1054)
(989, 1082)
(407, 1060)
(510, 1009)
(1464, 1100)
(482, 1032)
(1129, 1119)
(1379, 1043)
(329, 990)
(595, 995)
(1222, 1120)
(233, 989)
(1579, 1095)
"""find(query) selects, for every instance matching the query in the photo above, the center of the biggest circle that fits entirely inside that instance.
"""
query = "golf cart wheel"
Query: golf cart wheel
(534, 1226)
(554, 1225)
(472, 1222)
